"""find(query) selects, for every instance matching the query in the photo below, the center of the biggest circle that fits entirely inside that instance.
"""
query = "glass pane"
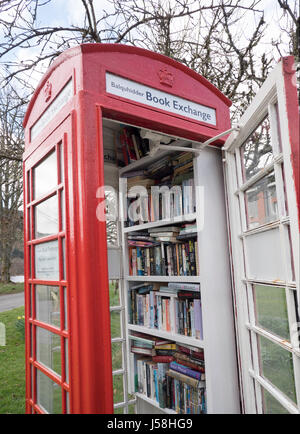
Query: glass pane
(62, 210)
(118, 388)
(46, 218)
(261, 202)
(67, 360)
(48, 349)
(271, 309)
(48, 304)
(63, 249)
(276, 365)
(62, 166)
(271, 405)
(45, 175)
(28, 186)
(114, 293)
(48, 394)
(265, 257)
(117, 355)
(67, 403)
(256, 152)
(46, 261)
(66, 308)
(115, 323)
(131, 409)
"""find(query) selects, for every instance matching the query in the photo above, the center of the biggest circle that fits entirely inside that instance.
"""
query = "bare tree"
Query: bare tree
(11, 148)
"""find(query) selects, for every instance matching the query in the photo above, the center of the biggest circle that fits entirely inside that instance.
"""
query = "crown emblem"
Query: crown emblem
(47, 91)
(166, 77)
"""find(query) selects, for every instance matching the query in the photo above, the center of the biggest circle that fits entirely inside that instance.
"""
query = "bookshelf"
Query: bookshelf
(217, 343)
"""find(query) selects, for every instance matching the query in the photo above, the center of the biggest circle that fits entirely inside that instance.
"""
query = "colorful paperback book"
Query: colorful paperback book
(185, 370)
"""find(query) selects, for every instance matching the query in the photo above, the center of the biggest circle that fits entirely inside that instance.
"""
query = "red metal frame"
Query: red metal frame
(78, 126)
(293, 114)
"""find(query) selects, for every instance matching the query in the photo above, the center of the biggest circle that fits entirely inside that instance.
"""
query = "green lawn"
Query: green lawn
(11, 288)
(12, 365)
(12, 361)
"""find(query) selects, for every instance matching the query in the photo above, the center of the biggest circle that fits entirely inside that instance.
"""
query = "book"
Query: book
(186, 379)
(184, 286)
(165, 229)
(163, 359)
(186, 236)
(185, 370)
(170, 346)
(144, 351)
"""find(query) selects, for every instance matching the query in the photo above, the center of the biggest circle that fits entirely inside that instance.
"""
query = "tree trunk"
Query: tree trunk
(6, 264)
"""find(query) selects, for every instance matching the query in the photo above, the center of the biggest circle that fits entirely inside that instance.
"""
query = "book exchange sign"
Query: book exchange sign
(155, 98)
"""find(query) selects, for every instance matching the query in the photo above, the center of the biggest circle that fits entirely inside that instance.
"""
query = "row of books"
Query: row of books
(175, 381)
(167, 309)
(131, 146)
(168, 191)
(159, 258)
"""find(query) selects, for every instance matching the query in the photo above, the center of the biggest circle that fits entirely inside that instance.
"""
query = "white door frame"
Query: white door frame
(274, 98)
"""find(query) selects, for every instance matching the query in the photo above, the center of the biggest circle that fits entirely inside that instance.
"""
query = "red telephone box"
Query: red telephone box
(68, 339)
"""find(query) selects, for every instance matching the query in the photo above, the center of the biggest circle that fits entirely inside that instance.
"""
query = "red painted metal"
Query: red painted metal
(293, 114)
(78, 126)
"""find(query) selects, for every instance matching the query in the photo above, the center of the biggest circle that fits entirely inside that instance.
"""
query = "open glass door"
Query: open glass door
(262, 190)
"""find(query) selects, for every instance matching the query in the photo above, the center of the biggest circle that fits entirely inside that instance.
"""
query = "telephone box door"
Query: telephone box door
(262, 180)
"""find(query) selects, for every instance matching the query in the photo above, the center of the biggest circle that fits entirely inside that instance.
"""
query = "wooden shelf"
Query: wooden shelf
(180, 339)
(167, 222)
(154, 403)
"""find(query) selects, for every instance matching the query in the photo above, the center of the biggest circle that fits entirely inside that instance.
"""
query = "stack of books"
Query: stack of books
(131, 145)
(174, 378)
(163, 252)
(174, 308)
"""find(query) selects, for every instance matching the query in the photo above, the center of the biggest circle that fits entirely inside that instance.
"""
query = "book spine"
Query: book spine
(185, 370)
(184, 286)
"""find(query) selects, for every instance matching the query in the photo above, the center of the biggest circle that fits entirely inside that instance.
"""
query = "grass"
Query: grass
(12, 365)
(12, 361)
(11, 288)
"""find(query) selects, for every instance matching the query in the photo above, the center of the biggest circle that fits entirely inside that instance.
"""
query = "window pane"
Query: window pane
(63, 250)
(131, 409)
(114, 293)
(67, 360)
(48, 394)
(66, 308)
(48, 349)
(62, 166)
(45, 175)
(117, 355)
(46, 218)
(276, 365)
(256, 152)
(46, 261)
(271, 309)
(67, 403)
(115, 322)
(261, 202)
(62, 210)
(118, 388)
(271, 405)
(265, 258)
(47, 304)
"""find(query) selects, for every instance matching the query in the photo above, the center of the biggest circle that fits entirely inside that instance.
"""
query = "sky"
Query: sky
(68, 12)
